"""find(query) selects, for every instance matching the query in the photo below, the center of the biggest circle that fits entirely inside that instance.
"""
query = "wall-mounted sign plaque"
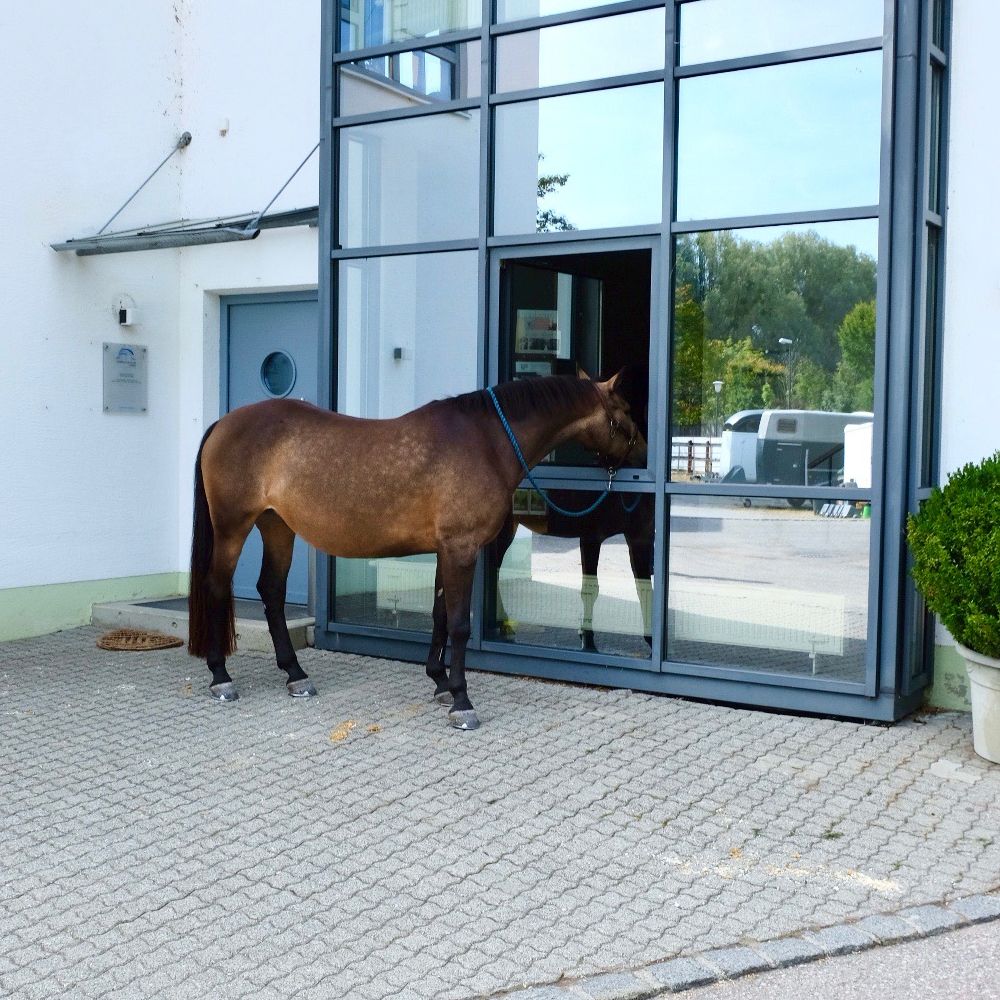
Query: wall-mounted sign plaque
(124, 378)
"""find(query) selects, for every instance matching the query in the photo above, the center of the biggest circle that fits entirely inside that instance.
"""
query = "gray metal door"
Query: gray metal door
(270, 346)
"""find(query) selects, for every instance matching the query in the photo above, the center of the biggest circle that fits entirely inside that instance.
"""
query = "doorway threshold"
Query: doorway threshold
(170, 616)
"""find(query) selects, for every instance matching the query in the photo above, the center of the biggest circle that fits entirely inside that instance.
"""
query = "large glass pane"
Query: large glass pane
(770, 587)
(410, 79)
(517, 10)
(586, 50)
(727, 29)
(407, 331)
(407, 335)
(780, 138)
(410, 181)
(774, 355)
(365, 23)
(584, 161)
(555, 591)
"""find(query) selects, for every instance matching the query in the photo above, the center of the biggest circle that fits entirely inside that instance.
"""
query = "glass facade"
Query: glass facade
(413, 79)
(584, 50)
(715, 30)
(704, 196)
(409, 181)
(364, 24)
(549, 176)
(784, 138)
(792, 598)
(774, 352)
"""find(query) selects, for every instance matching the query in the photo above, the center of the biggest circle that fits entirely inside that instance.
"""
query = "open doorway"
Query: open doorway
(589, 311)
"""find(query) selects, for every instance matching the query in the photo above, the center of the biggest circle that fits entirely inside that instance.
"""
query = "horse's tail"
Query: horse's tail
(205, 615)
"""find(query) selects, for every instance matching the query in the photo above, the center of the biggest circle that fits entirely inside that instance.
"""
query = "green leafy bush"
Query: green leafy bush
(955, 543)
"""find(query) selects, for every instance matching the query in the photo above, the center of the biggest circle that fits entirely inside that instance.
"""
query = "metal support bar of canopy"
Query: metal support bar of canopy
(185, 234)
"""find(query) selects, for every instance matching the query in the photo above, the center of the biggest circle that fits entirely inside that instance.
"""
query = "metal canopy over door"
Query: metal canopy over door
(270, 350)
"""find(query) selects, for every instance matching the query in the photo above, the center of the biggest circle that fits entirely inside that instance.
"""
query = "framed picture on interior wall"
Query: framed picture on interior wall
(528, 369)
(536, 332)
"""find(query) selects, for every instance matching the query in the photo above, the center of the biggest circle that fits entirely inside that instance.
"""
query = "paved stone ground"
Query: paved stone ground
(156, 844)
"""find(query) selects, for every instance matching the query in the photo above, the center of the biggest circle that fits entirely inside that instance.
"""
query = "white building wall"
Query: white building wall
(86, 117)
(971, 343)
(95, 96)
(971, 346)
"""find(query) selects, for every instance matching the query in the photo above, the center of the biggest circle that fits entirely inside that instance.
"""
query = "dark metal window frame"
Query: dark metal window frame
(896, 659)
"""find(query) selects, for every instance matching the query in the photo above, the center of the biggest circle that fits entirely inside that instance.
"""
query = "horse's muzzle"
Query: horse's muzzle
(613, 464)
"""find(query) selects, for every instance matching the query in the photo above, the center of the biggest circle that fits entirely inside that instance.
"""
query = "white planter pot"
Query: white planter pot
(984, 692)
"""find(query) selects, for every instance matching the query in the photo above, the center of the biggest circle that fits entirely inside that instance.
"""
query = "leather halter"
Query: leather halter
(610, 466)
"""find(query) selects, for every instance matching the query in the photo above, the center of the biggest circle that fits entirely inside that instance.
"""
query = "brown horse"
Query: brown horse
(438, 479)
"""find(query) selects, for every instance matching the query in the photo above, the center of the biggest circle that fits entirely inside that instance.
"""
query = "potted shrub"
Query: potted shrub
(955, 544)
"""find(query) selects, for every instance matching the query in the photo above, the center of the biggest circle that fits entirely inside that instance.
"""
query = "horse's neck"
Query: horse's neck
(537, 436)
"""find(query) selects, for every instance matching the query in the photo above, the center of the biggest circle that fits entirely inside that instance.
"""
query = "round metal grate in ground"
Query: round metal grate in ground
(137, 639)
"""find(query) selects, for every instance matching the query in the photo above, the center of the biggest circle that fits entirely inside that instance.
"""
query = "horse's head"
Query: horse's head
(611, 431)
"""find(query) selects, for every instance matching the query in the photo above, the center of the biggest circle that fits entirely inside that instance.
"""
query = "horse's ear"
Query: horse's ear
(612, 383)
(581, 373)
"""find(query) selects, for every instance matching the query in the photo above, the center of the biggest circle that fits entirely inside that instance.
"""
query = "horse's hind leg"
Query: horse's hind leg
(279, 541)
(219, 590)
(457, 567)
(436, 669)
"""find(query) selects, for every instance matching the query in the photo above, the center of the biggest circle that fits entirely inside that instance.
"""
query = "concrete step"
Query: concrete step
(170, 616)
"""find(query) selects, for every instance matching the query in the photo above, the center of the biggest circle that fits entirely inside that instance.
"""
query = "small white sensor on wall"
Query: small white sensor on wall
(124, 310)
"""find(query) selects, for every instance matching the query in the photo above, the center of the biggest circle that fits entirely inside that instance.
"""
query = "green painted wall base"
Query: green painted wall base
(28, 611)
(951, 682)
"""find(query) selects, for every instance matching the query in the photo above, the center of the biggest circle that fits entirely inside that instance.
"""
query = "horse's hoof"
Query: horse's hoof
(225, 692)
(444, 697)
(302, 689)
(465, 719)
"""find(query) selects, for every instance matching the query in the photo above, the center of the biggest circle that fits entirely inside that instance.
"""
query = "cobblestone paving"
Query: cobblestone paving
(156, 844)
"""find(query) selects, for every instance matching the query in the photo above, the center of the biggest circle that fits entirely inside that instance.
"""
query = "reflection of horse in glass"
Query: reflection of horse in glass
(628, 514)
(438, 479)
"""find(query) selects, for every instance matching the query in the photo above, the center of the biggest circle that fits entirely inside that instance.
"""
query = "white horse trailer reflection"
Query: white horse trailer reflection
(790, 447)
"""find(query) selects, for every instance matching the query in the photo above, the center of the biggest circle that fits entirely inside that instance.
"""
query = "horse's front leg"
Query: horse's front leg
(457, 566)
(436, 669)
(499, 547)
(640, 552)
(590, 556)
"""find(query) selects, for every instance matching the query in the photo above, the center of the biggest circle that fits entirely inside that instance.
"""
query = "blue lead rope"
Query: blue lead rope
(531, 479)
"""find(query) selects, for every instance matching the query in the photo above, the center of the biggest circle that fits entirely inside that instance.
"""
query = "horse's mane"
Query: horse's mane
(544, 395)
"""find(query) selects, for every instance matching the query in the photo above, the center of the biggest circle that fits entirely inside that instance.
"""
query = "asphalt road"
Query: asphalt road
(959, 964)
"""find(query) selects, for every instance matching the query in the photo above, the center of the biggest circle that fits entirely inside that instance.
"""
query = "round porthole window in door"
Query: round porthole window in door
(277, 374)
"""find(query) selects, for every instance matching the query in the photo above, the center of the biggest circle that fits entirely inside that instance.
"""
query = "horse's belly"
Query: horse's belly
(365, 537)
